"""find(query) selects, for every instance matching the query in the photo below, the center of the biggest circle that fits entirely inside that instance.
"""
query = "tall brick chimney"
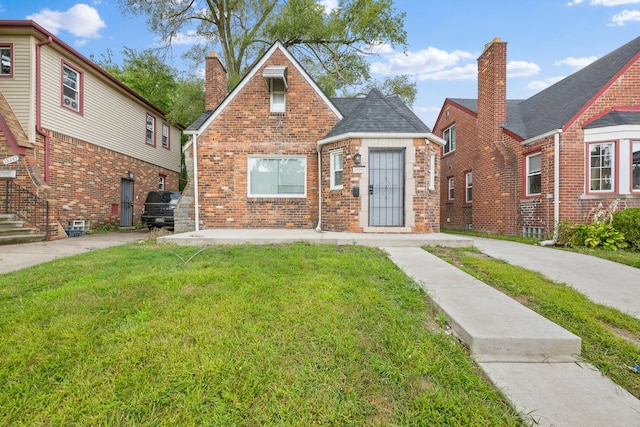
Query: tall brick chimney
(492, 90)
(215, 82)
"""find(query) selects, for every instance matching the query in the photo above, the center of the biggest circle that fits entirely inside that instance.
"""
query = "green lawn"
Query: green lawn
(240, 335)
(610, 339)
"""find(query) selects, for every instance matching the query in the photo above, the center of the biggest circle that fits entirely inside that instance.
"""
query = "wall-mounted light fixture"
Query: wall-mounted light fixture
(130, 174)
(357, 158)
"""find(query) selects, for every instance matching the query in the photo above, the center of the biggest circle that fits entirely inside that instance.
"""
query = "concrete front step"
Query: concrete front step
(23, 238)
(495, 327)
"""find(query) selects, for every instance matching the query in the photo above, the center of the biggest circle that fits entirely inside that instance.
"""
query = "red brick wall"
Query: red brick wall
(215, 82)
(455, 164)
(87, 179)
(247, 127)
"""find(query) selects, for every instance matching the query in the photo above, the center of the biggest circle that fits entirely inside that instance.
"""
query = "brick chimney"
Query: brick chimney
(215, 82)
(492, 90)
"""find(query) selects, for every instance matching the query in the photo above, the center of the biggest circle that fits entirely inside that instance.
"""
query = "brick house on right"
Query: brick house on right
(521, 166)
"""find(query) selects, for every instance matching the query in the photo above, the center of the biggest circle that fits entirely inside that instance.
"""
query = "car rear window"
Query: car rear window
(162, 197)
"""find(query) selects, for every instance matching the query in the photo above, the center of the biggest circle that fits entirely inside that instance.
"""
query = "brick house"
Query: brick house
(522, 166)
(72, 134)
(276, 152)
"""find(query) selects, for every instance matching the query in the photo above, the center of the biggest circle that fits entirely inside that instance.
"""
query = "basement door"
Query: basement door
(386, 188)
(126, 202)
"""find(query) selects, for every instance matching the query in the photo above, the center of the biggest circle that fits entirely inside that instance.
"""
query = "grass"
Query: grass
(610, 339)
(151, 335)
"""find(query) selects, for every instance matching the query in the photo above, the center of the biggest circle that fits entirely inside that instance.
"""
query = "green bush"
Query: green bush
(601, 235)
(627, 221)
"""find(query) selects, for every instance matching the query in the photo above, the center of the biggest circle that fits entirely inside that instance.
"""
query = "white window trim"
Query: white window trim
(333, 170)
(614, 170)
(277, 107)
(9, 47)
(468, 185)
(451, 186)
(77, 90)
(153, 130)
(444, 133)
(162, 182)
(165, 128)
(528, 174)
(276, 196)
(633, 191)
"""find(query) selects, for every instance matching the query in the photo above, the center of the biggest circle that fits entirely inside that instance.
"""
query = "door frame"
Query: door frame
(398, 209)
(129, 209)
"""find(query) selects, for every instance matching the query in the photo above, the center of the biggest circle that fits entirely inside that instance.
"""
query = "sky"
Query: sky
(546, 39)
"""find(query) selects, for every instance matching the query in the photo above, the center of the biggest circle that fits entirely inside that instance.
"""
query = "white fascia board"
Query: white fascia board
(612, 133)
(247, 78)
(540, 137)
(372, 135)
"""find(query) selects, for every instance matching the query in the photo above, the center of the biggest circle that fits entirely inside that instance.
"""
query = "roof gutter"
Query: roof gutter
(39, 106)
(400, 135)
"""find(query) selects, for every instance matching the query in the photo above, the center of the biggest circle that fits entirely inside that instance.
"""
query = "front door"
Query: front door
(386, 188)
(126, 203)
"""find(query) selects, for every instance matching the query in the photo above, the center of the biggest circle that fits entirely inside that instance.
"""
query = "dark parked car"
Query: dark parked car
(158, 209)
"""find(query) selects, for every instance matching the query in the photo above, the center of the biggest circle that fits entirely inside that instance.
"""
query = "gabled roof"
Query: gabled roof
(377, 113)
(205, 120)
(615, 118)
(558, 105)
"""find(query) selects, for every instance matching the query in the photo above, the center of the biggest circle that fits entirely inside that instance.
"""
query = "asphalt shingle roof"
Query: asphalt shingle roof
(376, 113)
(553, 107)
(616, 118)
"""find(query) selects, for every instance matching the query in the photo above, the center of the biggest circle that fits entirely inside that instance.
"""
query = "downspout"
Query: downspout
(319, 227)
(556, 190)
(196, 198)
(39, 108)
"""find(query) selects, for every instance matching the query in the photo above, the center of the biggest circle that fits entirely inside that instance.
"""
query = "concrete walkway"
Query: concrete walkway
(16, 257)
(604, 282)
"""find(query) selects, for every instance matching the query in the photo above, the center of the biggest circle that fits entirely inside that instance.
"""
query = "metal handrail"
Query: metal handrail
(26, 206)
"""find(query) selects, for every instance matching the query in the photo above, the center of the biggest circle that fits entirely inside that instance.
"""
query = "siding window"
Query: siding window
(165, 136)
(468, 182)
(450, 187)
(336, 170)
(71, 88)
(151, 130)
(162, 179)
(534, 174)
(277, 177)
(601, 167)
(449, 135)
(6, 60)
(635, 166)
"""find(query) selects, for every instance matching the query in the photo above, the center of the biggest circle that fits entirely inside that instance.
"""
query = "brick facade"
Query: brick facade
(498, 158)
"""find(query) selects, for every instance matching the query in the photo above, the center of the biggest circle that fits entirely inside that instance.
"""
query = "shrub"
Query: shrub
(603, 235)
(628, 222)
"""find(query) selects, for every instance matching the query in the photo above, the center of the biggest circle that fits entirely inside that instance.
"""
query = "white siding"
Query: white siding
(111, 118)
(19, 91)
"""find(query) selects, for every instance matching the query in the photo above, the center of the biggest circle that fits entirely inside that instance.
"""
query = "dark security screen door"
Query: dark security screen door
(126, 203)
(386, 188)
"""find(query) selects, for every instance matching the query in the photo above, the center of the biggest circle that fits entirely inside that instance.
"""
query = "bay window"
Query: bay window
(601, 167)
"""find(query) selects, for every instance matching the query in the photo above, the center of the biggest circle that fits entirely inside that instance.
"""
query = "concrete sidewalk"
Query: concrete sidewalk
(604, 282)
(530, 359)
(16, 257)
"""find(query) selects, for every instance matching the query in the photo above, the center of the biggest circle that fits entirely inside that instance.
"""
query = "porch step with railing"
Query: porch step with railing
(13, 231)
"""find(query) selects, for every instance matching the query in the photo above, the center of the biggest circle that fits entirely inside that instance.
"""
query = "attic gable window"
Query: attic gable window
(276, 79)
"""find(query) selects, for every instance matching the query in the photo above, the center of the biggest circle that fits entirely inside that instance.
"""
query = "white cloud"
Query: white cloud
(626, 16)
(610, 3)
(538, 85)
(329, 5)
(190, 37)
(577, 63)
(417, 63)
(467, 72)
(522, 69)
(80, 20)
(571, 3)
